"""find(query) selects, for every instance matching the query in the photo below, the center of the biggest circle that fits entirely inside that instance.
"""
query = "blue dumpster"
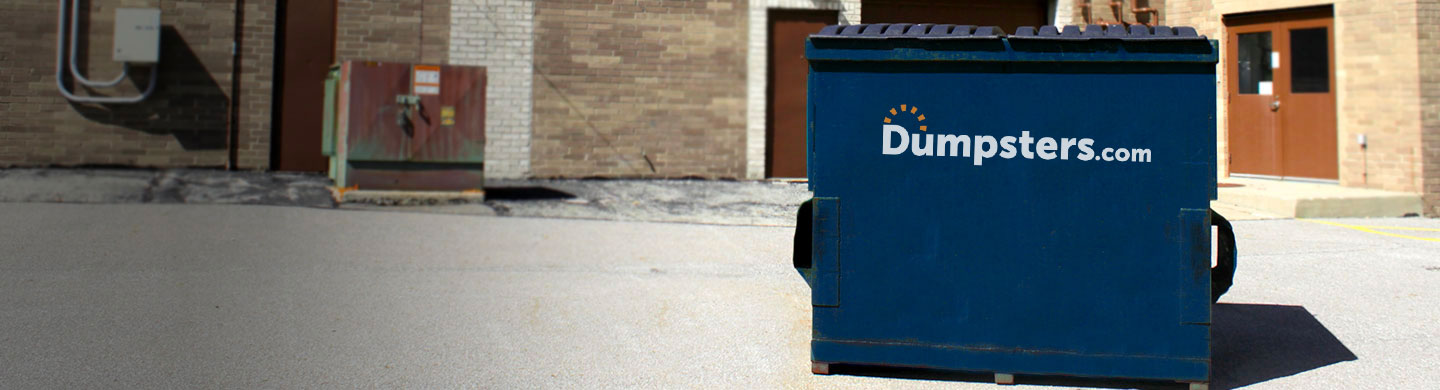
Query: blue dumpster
(1034, 203)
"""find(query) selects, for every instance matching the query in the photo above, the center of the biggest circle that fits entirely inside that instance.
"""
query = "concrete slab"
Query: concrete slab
(75, 186)
(408, 198)
(227, 296)
(1240, 213)
(190, 186)
(1289, 199)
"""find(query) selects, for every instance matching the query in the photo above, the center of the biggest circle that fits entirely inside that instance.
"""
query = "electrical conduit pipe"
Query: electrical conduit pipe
(74, 70)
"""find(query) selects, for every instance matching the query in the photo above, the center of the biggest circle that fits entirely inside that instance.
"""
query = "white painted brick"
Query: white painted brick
(755, 75)
(497, 34)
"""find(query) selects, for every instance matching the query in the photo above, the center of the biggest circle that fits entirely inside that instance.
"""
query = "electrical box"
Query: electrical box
(394, 126)
(137, 35)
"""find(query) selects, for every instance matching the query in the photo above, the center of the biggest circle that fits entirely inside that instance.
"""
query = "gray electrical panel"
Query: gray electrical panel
(137, 35)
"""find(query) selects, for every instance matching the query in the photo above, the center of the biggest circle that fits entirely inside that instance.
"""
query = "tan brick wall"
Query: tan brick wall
(1070, 12)
(1378, 92)
(410, 31)
(257, 63)
(183, 124)
(617, 82)
(1428, 18)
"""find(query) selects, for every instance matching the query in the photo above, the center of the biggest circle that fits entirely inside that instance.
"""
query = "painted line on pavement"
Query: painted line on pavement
(1373, 229)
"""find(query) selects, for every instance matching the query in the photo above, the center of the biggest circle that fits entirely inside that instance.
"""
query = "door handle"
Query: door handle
(1275, 105)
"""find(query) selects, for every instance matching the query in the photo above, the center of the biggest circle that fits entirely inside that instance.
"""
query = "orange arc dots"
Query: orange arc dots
(912, 110)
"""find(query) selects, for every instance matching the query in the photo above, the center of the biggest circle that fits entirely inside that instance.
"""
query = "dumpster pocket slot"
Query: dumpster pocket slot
(825, 256)
(1194, 268)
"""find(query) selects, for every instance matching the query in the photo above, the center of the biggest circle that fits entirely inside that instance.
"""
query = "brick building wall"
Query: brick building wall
(624, 86)
(500, 35)
(256, 49)
(757, 61)
(1378, 46)
(409, 31)
(1428, 17)
(185, 122)
(1073, 12)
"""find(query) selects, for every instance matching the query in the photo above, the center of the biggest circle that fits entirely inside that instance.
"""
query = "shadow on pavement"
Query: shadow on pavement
(526, 193)
(976, 377)
(1250, 343)
(1253, 343)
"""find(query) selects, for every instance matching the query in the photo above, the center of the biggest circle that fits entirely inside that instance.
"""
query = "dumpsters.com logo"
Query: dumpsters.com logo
(898, 139)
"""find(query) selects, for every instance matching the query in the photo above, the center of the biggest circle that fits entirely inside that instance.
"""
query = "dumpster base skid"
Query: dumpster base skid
(1007, 363)
(820, 368)
(878, 370)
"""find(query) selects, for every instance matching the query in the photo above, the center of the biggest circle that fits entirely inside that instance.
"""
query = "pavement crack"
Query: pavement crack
(148, 194)
(500, 209)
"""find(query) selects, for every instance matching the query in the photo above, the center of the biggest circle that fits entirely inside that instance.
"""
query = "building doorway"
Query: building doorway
(1280, 78)
(788, 75)
(306, 50)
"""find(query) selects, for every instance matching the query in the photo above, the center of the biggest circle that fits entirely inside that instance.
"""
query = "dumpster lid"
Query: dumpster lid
(927, 31)
(908, 31)
(1135, 32)
(967, 43)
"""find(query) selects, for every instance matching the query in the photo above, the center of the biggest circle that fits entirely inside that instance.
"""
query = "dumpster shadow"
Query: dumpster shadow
(1253, 343)
(1250, 343)
(526, 193)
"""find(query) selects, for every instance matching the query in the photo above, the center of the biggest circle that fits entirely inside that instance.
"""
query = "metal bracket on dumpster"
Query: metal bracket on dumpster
(1193, 243)
(825, 255)
(409, 104)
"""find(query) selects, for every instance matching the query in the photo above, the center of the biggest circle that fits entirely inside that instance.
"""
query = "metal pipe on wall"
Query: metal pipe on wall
(74, 69)
(60, 67)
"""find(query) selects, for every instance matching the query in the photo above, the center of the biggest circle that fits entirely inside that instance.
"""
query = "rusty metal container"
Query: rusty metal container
(395, 126)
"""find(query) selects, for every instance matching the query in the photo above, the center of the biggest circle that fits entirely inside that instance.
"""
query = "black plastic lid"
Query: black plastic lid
(951, 31)
(908, 31)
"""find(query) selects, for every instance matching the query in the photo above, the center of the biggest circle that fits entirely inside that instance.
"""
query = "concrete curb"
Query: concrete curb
(189, 186)
(1310, 200)
(407, 198)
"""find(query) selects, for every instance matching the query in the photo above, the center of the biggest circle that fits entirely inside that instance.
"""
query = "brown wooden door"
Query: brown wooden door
(308, 46)
(1008, 14)
(788, 73)
(1281, 83)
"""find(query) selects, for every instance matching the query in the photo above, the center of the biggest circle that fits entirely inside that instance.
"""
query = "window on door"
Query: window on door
(1255, 64)
(1310, 61)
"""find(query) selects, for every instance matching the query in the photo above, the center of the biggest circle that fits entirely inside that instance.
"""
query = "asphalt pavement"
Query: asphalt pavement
(234, 296)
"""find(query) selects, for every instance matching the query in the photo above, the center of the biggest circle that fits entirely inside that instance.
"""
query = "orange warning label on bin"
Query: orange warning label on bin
(425, 80)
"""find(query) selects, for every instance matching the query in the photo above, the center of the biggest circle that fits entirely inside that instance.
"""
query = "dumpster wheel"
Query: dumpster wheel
(1222, 276)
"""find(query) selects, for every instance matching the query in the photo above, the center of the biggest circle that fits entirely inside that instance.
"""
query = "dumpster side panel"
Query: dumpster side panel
(452, 125)
(374, 132)
(1059, 263)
